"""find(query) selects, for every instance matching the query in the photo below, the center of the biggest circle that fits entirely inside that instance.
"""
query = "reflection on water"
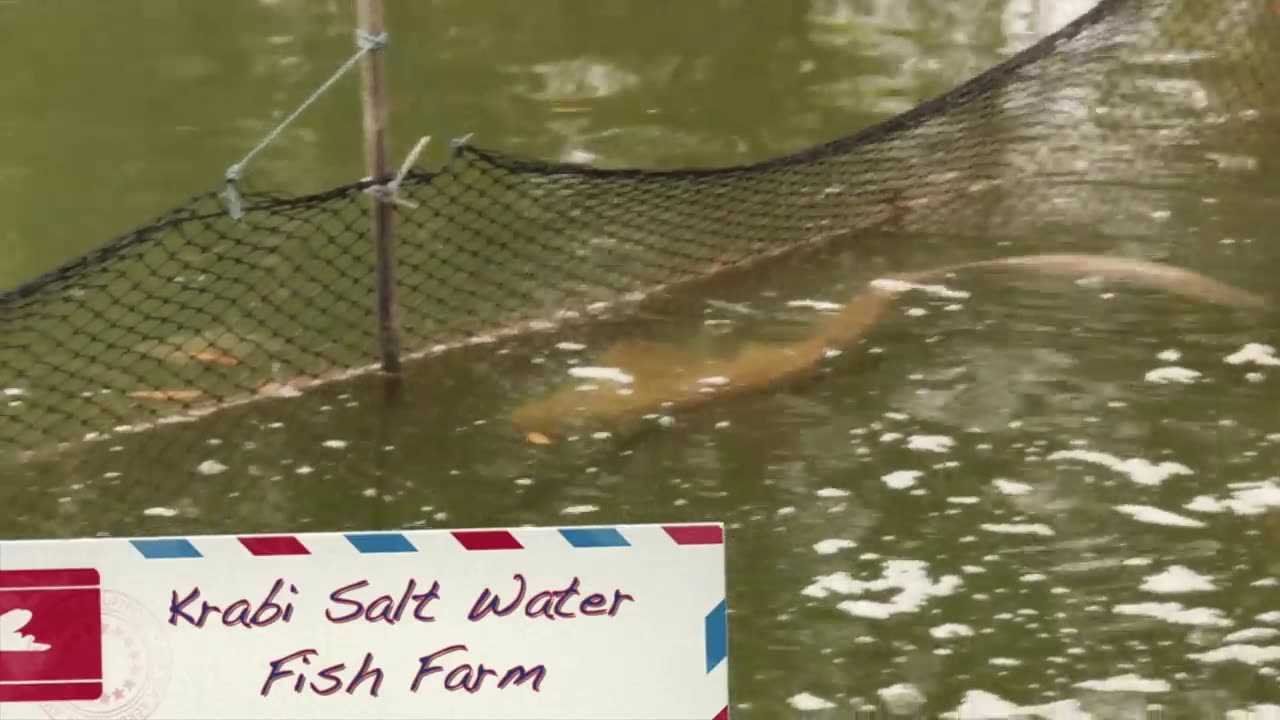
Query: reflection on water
(578, 79)
(1026, 21)
(1040, 494)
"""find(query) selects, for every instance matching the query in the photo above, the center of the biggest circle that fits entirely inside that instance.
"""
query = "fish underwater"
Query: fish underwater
(663, 378)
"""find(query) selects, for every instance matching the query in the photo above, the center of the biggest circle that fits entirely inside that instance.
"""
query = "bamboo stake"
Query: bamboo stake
(370, 19)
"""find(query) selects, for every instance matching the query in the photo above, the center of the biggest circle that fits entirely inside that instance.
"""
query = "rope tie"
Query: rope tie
(390, 192)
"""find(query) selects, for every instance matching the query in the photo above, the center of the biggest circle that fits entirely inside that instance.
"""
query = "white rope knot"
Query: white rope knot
(390, 192)
(367, 41)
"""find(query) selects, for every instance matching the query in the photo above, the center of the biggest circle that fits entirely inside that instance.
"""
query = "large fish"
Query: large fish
(663, 379)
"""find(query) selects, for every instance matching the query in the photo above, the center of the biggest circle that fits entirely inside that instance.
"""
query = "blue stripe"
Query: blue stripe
(381, 542)
(717, 634)
(166, 549)
(594, 537)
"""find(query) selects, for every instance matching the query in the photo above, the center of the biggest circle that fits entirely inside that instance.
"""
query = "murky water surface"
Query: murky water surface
(1047, 492)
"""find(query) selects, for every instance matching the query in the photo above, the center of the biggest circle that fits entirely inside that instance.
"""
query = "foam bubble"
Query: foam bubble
(1156, 516)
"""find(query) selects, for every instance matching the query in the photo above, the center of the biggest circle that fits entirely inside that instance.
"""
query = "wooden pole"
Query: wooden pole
(370, 19)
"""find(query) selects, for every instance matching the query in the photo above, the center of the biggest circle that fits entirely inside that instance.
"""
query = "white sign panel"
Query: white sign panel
(528, 623)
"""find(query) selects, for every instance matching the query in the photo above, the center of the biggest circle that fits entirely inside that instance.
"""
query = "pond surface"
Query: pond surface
(1030, 490)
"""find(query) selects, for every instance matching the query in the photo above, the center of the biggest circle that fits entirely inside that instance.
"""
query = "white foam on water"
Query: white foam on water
(570, 346)
(815, 304)
(1172, 374)
(1265, 582)
(1253, 354)
(14, 392)
(1252, 498)
(1177, 579)
(602, 373)
(210, 467)
(838, 582)
(909, 577)
(1269, 617)
(901, 479)
(714, 380)
(1129, 683)
(942, 291)
(829, 492)
(1175, 613)
(982, 705)
(807, 702)
(1251, 635)
(964, 500)
(901, 698)
(832, 546)
(1170, 356)
(1009, 487)
(1156, 516)
(579, 509)
(160, 512)
(931, 443)
(1018, 528)
(1247, 654)
(1139, 470)
(335, 444)
(947, 631)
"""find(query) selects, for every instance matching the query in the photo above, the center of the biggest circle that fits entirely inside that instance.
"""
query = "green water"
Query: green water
(955, 423)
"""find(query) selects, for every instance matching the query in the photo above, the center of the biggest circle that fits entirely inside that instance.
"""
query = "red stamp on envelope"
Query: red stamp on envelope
(50, 635)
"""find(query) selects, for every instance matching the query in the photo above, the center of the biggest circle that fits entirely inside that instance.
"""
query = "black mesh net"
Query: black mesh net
(196, 312)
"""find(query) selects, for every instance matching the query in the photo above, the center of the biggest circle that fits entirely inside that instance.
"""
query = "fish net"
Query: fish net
(1083, 135)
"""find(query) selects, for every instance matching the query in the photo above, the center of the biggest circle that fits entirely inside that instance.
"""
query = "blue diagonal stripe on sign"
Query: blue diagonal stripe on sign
(166, 548)
(717, 634)
(380, 542)
(594, 537)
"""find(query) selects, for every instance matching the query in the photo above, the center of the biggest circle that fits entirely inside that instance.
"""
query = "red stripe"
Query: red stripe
(50, 692)
(49, 578)
(488, 540)
(723, 714)
(696, 534)
(275, 545)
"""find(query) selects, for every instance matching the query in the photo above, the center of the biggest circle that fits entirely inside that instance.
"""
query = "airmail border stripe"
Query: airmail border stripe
(394, 542)
(716, 633)
(274, 545)
(696, 534)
